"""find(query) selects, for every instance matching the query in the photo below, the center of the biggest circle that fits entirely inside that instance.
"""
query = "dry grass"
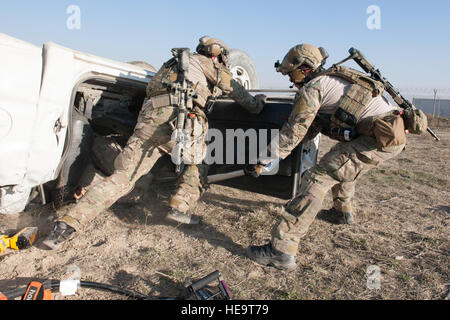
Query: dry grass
(402, 227)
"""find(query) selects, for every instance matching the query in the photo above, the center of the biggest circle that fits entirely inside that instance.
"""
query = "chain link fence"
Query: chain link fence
(434, 102)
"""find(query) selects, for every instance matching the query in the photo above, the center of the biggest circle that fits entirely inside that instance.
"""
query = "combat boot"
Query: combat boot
(60, 233)
(180, 217)
(348, 218)
(268, 256)
(342, 217)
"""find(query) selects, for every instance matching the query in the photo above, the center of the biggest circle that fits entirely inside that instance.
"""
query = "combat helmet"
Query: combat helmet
(300, 57)
(213, 47)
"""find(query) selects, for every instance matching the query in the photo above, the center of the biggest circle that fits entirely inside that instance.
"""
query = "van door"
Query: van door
(20, 81)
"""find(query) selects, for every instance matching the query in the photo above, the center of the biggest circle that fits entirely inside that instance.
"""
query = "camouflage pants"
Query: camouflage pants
(151, 137)
(338, 170)
(190, 188)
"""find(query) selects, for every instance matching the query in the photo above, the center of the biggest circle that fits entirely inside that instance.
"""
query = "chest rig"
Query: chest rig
(352, 105)
(181, 83)
(161, 86)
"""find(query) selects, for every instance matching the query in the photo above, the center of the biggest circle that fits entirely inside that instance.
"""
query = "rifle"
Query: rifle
(185, 93)
(369, 68)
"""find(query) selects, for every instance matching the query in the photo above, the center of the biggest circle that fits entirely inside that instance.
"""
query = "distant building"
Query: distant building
(439, 107)
(423, 98)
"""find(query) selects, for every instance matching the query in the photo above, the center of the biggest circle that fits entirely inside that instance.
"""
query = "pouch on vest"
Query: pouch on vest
(195, 131)
(168, 73)
(389, 132)
(352, 105)
(203, 93)
(356, 99)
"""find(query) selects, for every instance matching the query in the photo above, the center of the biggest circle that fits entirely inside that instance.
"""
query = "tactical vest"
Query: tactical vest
(168, 74)
(355, 101)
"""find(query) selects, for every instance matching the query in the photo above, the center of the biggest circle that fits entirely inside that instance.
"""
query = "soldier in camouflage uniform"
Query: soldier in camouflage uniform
(345, 105)
(209, 76)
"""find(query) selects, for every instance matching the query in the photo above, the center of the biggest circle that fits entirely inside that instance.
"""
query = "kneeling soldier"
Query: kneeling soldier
(205, 75)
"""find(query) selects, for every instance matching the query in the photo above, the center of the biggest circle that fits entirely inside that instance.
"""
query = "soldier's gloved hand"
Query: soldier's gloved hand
(254, 170)
(260, 102)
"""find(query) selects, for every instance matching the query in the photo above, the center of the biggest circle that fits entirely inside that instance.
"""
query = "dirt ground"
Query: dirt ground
(402, 228)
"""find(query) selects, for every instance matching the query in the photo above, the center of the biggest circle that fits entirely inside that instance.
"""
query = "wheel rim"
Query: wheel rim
(241, 76)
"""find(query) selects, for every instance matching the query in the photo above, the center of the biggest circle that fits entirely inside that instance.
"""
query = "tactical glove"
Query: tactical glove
(253, 170)
(260, 102)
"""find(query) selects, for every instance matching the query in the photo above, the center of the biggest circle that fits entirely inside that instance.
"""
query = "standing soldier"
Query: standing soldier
(204, 75)
(345, 105)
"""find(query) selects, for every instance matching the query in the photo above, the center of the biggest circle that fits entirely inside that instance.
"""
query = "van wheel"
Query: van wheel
(243, 69)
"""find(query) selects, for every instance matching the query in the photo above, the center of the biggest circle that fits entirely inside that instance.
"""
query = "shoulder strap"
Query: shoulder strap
(355, 77)
(357, 98)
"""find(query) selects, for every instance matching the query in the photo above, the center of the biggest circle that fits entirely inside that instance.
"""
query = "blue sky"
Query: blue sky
(412, 48)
